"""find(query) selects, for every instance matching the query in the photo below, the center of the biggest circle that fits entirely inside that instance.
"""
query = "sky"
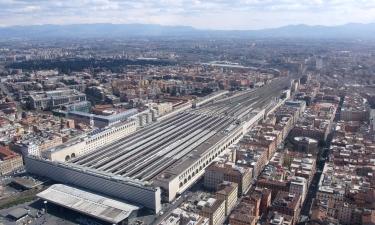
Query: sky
(203, 14)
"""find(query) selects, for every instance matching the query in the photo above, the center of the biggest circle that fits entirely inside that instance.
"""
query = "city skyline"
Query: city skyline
(212, 14)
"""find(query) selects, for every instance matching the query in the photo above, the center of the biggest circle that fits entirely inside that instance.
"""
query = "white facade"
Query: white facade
(83, 146)
(30, 149)
(163, 108)
(180, 182)
(108, 136)
(298, 185)
(135, 192)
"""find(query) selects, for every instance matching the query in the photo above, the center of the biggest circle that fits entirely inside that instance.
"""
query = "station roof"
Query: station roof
(94, 205)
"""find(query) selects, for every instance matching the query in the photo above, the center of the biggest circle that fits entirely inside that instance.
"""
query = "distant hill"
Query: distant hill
(348, 31)
(352, 30)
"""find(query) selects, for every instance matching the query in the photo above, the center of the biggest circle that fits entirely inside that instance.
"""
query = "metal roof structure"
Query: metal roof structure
(94, 205)
(167, 144)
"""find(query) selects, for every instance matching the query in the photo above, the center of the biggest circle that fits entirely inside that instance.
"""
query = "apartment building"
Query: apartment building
(288, 204)
(299, 186)
(243, 214)
(228, 192)
(253, 158)
(9, 161)
(355, 108)
(218, 172)
(213, 209)
(52, 99)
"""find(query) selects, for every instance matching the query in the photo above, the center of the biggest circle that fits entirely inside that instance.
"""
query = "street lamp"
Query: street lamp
(45, 206)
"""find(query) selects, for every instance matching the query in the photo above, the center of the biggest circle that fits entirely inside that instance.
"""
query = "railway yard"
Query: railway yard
(168, 156)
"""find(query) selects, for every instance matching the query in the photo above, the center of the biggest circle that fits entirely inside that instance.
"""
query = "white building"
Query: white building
(298, 185)
(30, 149)
(162, 108)
(90, 142)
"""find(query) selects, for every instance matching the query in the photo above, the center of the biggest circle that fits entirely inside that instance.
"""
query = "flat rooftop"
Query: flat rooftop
(94, 205)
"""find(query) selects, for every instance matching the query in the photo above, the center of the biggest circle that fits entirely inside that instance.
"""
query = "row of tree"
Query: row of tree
(78, 64)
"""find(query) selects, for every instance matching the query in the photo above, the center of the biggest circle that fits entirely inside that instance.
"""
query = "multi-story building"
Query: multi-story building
(101, 121)
(213, 209)
(228, 191)
(368, 218)
(330, 186)
(306, 145)
(83, 106)
(304, 166)
(276, 218)
(345, 191)
(162, 108)
(255, 159)
(243, 214)
(27, 148)
(273, 185)
(218, 172)
(265, 202)
(355, 108)
(9, 161)
(316, 121)
(261, 140)
(288, 204)
(298, 185)
(300, 105)
(52, 99)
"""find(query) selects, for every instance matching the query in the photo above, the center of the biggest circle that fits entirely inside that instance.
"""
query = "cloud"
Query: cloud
(214, 14)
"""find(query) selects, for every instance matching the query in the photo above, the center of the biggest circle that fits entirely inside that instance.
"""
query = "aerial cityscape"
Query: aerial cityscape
(187, 112)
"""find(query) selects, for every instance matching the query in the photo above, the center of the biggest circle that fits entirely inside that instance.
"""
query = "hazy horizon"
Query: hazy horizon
(188, 26)
(210, 14)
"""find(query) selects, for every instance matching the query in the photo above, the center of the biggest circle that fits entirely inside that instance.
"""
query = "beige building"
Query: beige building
(37, 147)
(163, 108)
(355, 108)
(244, 214)
(213, 209)
(50, 143)
(218, 172)
(9, 161)
(228, 191)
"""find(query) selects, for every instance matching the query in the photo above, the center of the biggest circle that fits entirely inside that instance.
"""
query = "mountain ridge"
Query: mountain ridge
(108, 30)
